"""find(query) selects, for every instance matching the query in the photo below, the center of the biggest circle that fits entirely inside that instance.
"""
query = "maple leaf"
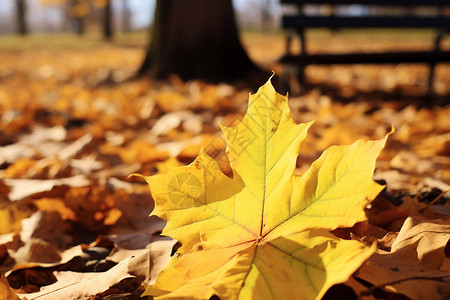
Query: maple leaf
(265, 233)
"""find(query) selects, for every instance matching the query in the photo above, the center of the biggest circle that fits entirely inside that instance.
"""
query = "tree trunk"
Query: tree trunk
(126, 26)
(21, 22)
(76, 17)
(196, 39)
(79, 25)
(107, 21)
(265, 15)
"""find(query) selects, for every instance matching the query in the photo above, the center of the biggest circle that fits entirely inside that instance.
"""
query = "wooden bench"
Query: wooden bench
(298, 23)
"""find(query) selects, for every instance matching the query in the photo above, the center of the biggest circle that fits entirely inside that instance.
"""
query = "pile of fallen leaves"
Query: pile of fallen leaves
(72, 129)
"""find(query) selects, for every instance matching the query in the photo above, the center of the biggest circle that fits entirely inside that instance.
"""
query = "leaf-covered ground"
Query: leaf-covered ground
(72, 128)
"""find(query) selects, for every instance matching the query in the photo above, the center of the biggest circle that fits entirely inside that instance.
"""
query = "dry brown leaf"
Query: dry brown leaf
(95, 205)
(76, 147)
(11, 153)
(138, 151)
(415, 260)
(86, 165)
(73, 285)
(27, 168)
(398, 272)
(159, 256)
(169, 101)
(55, 204)
(5, 290)
(191, 123)
(383, 214)
(396, 181)
(429, 237)
(44, 237)
(410, 162)
(117, 171)
(42, 134)
(151, 253)
(19, 167)
(22, 188)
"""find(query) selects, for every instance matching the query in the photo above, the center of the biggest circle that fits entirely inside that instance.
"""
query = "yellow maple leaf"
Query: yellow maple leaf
(265, 233)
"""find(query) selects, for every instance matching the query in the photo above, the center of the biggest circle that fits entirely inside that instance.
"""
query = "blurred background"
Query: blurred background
(56, 16)
(131, 23)
(185, 66)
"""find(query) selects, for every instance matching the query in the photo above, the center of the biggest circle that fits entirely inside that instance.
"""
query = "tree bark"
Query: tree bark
(79, 25)
(21, 21)
(107, 21)
(196, 39)
(76, 19)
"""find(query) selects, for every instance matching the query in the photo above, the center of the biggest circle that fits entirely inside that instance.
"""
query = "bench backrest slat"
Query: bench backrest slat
(365, 22)
(372, 2)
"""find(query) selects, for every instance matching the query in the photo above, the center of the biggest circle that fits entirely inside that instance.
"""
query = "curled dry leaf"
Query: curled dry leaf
(73, 285)
(417, 258)
(42, 236)
(428, 237)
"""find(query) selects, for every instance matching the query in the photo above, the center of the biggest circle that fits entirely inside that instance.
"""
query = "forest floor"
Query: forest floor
(73, 127)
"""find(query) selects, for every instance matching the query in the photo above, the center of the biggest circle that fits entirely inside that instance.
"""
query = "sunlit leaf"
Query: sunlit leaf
(264, 233)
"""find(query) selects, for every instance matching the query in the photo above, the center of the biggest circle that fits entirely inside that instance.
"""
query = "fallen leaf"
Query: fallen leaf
(150, 254)
(54, 204)
(159, 256)
(73, 285)
(76, 147)
(6, 238)
(10, 218)
(43, 134)
(5, 290)
(43, 235)
(86, 165)
(411, 162)
(170, 121)
(382, 213)
(19, 167)
(264, 234)
(11, 153)
(430, 237)
(396, 181)
(139, 150)
(398, 272)
(22, 188)
(118, 171)
(417, 257)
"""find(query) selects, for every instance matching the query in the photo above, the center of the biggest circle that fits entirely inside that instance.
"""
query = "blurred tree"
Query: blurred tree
(266, 16)
(197, 39)
(21, 21)
(126, 16)
(77, 10)
(107, 20)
